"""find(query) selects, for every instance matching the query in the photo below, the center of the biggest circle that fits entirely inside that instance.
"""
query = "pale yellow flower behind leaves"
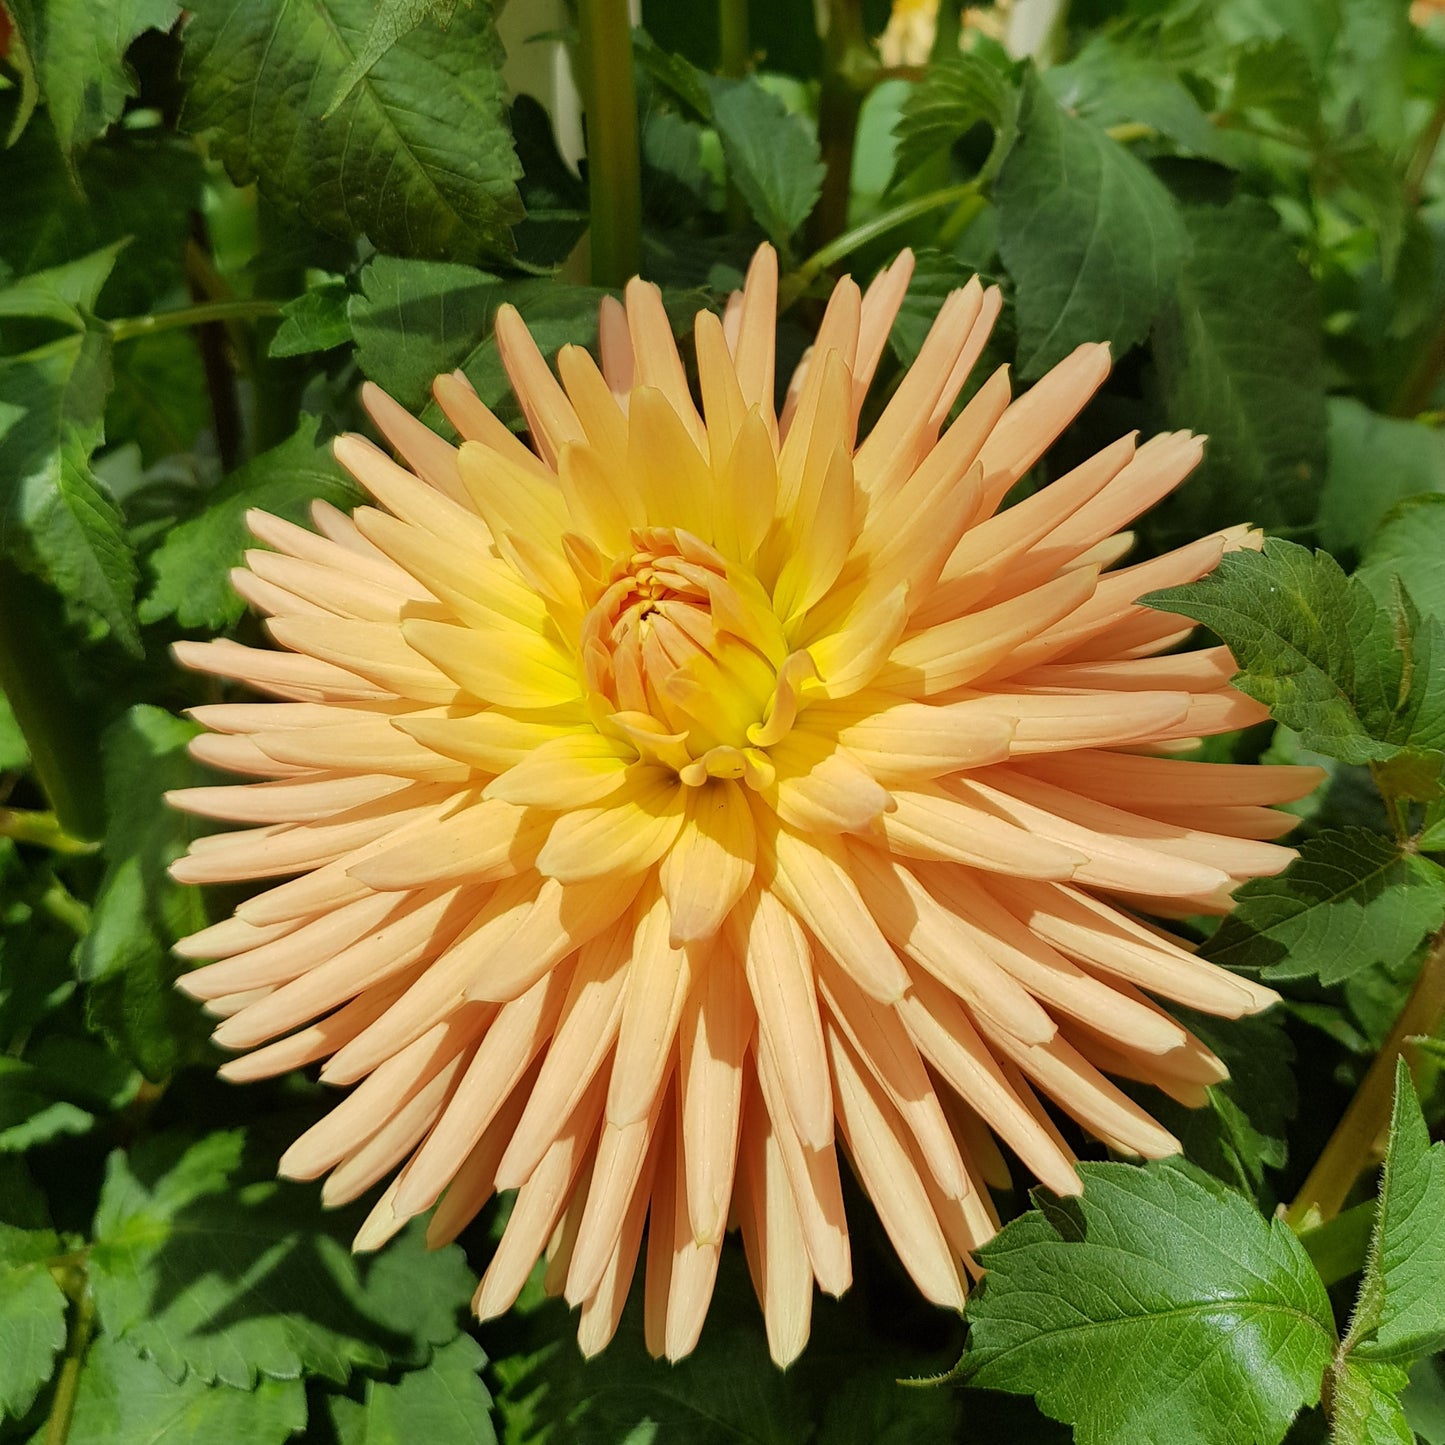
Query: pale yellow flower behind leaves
(695, 796)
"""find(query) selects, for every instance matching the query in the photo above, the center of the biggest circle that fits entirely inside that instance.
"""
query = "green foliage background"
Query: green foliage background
(215, 224)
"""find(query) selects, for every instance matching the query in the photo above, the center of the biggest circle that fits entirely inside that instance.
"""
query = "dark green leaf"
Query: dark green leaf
(556, 200)
(1409, 545)
(139, 912)
(391, 21)
(1375, 462)
(947, 103)
(1350, 899)
(32, 1315)
(77, 51)
(1275, 76)
(1155, 1308)
(1239, 359)
(417, 157)
(126, 1400)
(1424, 1400)
(314, 321)
(32, 1111)
(1091, 238)
(444, 1403)
(1365, 1407)
(1357, 682)
(192, 565)
(678, 77)
(66, 293)
(216, 1273)
(772, 156)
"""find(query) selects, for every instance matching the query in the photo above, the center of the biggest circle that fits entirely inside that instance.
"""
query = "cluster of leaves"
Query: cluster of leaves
(216, 224)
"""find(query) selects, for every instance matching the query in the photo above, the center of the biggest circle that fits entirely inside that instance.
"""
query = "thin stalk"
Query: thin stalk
(1424, 153)
(43, 830)
(130, 327)
(849, 69)
(64, 748)
(798, 281)
(1420, 382)
(1350, 1148)
(77, 1341)
(733, 55)
(614, 170)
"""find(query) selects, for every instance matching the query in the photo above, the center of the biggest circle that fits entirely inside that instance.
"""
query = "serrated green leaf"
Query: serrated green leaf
(1375, 462)
(1157, 1307)
(192, 566)
(1355, 681)
(444, 1403)
(66, 293)
(771, 155)
(314, 321)
(125, 1400)
(1408, 545)
(417, 156)
(1350, 899)
(125, 959)
(218, 1274)
(1093, 241)
(391, 20)
(1365, 1406)
(77, 51)
(158, 398)
(59, 522)
(1400, 1314)
(31, 1111)
(1239, 356)
(32, 1315)
(946, 104)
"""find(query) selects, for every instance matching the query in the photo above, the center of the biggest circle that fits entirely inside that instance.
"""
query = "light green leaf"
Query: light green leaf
(1400, 1314)
(1239, 356)
(771, 155)
(1091, 238)
(1350, 899)
(947, 103)
(32, 1315)
(314, 321)
(1374, 462)
(1424, 1400)
(392, 20)
(139, 912)
(125, 1400)
(1409, 545)
(59, 522)
(1155, 1308)
(192, 565)
(417, 156)
(76, 51)
(445, 1403)
(1357, 682)
(217, 1272)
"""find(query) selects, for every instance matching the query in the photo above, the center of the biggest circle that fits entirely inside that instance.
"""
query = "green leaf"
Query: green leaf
(771, 155)
(444, 1403)
(1093, 241)
(1239, 357)
(1275, 76)
(417, 156)
(125, 1400)
(192, 565)
(391, 21)
(1350, 899)
(556, 200)
(1374, 462)
(216, 1273)
(66, 293)
(77, 53)
(1408, 545)
(1155, 1308)
(139, 912)
(32, 1315)
(1400, 1314)
(1357, 682)
(1365, 1407)
(1424, 1400)
(946, 104)
(314, 321)
(31, 1112)
(59, 521)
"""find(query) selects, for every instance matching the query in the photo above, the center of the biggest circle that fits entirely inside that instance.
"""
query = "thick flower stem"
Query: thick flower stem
(77, 1342)
(1350, 1148)
(64, 750)
(614, 175)
(850, 70)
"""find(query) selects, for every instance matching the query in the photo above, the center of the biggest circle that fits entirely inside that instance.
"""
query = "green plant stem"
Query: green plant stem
(849, 70)
(1350, 1149)
(130, 327)
(64, 749)
(77, 1341)
(798, 281)
(1420, 381)
(614, 171)
(1424, 153)
(65, 908)
(26, 825)
(733, 56)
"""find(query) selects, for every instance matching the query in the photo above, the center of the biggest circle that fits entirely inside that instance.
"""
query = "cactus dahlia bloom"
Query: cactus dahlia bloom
(696, 794)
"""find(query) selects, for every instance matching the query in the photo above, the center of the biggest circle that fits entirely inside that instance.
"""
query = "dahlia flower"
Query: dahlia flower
(696, 793)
